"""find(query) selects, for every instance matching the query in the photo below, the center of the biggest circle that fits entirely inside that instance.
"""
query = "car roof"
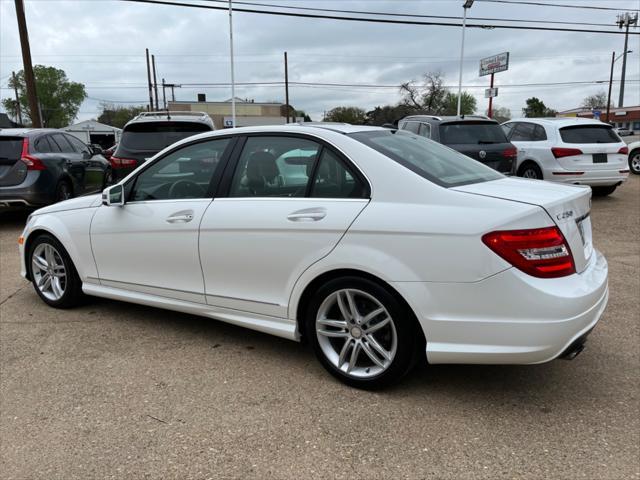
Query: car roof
(451, 118)
(560, 121)
(21, 132)
(172, 116)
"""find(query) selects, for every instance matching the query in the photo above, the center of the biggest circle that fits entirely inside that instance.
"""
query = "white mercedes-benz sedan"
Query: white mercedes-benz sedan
(373, 245)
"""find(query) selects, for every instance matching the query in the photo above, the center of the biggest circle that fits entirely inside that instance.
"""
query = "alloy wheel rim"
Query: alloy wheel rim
(635, 163)
(356, 333)
(530, 173)
(64, 193)
(49, 272)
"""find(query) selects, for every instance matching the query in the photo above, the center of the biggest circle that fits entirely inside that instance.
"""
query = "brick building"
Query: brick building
(622, 117)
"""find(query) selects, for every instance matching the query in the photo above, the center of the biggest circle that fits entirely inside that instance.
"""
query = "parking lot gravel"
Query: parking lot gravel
(114, 390)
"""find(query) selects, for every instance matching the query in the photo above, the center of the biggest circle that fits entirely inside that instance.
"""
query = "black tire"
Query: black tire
(408, 337)
(64, 191)
(530, 170)
(73, 294)
(108, 178)
(603, 191)
(634, 161)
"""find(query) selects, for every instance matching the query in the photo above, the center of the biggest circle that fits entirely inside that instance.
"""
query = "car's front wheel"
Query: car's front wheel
(603, 191)
(634, 161)
(53, 274)
(361, 333)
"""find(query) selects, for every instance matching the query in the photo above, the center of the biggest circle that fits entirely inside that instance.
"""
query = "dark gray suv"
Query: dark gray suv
(477, 137)
(43, 166)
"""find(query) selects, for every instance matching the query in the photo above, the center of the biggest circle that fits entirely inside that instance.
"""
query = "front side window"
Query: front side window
(273, 166)
(425, 130)
(433, 161)
(182, 174)
(412, 127)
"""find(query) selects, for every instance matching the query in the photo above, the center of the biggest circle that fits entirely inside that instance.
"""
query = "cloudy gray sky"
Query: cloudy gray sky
(101, 44)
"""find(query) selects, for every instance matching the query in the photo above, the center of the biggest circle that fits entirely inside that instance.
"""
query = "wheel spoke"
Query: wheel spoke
(344, 308)
(40, 262)
(377, 347)
(59, 271)
(56, 287)
(377, 326)
(370, 316)
(333, 333)
(43, 279)
(47, 283)
(343, 353)
(352, 304)
(333, 323)
(49, 255)
(355, 351)
(374, 358)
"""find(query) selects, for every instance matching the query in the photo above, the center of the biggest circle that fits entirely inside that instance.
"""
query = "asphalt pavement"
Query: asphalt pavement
(114, 390)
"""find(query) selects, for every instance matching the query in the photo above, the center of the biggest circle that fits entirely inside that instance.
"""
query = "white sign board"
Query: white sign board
(495, 64)
(491, 92)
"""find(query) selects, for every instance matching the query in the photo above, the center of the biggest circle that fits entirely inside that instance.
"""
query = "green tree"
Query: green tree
(353, 115)
(303, 114)
(536, 108)
(500, 114)
(118, 116)
(598, 100)
(450, 104)
(58, 97)
(388, 114)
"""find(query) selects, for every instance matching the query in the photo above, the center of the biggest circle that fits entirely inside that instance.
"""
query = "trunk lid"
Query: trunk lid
(569, 206)
(12, 170)
(492, 155)
(599, 146)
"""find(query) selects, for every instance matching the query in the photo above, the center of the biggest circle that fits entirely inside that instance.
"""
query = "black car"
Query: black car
(43, 166)
(477, 137)
(151, 132)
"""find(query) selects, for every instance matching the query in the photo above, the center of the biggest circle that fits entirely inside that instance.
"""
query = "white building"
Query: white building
(90, 131)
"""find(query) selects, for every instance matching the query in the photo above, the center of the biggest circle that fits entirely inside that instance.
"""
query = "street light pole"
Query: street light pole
(233, 80)
(624, 21)
(466, 6)
(613, 61)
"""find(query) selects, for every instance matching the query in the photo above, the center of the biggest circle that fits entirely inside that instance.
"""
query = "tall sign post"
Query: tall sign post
(491, 66)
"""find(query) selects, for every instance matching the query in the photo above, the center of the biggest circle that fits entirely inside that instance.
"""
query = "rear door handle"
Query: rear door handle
(307, 215)
(180, 217)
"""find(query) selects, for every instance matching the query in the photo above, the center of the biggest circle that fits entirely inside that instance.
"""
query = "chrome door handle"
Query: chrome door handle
(307, 215)
(180, 217)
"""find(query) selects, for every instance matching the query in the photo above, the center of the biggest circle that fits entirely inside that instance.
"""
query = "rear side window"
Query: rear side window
(62, 142)
(528, 132)
(589, 134)
(437, 163)
(154, 136)
(79, 146)
(42, 145)
(471, 133)
(333, 180)
(412, 127)
(10, 148)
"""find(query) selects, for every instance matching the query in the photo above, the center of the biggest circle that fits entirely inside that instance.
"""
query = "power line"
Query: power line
(540, 4)
(413, 15)
(376, 20)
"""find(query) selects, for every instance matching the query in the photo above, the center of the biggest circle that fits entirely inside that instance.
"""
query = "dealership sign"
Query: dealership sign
(494, 64)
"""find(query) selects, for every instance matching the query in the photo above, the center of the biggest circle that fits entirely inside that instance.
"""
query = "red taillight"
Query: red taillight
(510, 153)
(117, 162)
(540, 252)
(32, 162)
(624, 150)
(560, 152)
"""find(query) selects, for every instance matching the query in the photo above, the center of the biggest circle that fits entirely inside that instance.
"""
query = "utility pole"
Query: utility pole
(164, 95)
(613, 60)
(18, 107)
(233, 80)
(149, 81)
(155, 82)
(29, 77)
(625, 20)
(286, 85)
(467, 5)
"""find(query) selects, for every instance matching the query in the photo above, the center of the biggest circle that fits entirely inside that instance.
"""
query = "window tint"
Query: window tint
(42, 145)
(425, 130)
(62, 142)
(429, 159)
(333, 180)
(539, 133)
(274, 166)
(10, 148)
(78, 146)
(589, 134)
(412, 127)
(184, 173)
(471, 133)
(154, 136)
(507, 127)
(524, 132)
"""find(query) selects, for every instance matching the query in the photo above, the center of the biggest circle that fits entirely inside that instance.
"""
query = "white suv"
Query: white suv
(570, 150)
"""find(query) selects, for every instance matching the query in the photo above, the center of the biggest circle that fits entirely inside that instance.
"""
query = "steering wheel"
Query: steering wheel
(186, 189)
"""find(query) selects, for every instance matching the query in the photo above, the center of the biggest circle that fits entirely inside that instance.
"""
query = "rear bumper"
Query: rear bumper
(35, 190)
(593, 178)
(509, 318)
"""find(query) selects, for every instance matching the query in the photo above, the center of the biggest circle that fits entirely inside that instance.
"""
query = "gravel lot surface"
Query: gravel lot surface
(113, 390)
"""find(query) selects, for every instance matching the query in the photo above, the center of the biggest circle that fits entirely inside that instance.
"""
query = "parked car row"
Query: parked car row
(567, 150)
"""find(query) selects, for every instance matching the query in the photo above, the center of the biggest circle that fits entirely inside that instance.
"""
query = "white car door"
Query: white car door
(150, 244)
(287, 204)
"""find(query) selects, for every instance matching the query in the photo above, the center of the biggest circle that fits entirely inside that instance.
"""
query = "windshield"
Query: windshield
(154, 136)
(429, 159)
(589, 134)
(471, 133)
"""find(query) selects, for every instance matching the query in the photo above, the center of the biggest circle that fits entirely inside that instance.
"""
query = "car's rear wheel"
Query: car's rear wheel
(63, 191)
(603, 191)
(361, 333)
(53, 274)
(530, 170)
(634, 161)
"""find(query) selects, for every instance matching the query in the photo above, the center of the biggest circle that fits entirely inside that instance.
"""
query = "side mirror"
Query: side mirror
(113, 196)
(95, 149)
